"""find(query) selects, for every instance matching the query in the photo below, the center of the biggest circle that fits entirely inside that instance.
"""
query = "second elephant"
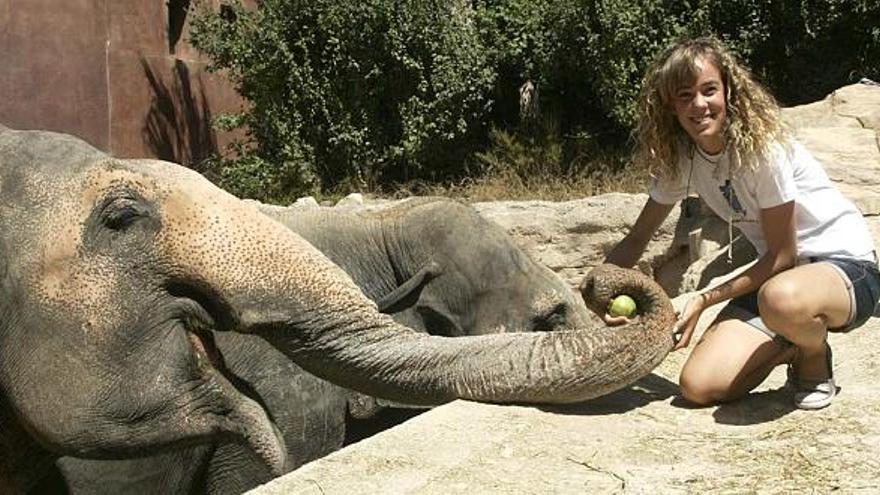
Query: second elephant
(440, 267)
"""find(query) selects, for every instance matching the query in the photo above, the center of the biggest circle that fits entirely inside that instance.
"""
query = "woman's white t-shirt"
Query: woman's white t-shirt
(827, 223)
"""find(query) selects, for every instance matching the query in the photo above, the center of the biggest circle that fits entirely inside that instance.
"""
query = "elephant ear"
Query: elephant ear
(431, 311)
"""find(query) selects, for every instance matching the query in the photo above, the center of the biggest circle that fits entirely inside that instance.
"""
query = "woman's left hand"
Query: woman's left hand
(687, 321)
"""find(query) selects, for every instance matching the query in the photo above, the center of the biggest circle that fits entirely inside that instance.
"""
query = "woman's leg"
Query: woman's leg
(731, 359)
(801, 304)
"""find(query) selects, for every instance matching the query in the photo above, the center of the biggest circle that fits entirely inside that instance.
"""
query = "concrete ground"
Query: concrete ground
(643, 439)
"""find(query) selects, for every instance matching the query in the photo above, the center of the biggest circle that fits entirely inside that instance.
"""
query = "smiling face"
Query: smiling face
(701, 107)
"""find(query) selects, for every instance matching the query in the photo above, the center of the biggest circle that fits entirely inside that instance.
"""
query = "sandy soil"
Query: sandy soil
(644, 439)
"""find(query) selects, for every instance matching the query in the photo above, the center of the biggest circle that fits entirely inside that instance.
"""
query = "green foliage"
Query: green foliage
(510, 154)
(802, 49)
(620, 38)
(349, 91)
(588, 57)
(363, 94)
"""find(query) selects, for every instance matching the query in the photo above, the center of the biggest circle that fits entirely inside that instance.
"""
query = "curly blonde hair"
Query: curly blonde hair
(753, 122)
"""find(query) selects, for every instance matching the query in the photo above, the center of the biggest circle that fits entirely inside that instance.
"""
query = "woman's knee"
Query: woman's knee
(702, 388)
(781, 302)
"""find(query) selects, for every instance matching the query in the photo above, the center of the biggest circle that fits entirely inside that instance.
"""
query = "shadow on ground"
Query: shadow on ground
(649, 389)
(755, 408)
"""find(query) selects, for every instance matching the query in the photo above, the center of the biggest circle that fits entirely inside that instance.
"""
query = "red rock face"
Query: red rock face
(117, 73)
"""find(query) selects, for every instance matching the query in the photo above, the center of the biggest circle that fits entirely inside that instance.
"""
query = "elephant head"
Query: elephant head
(112, 270)
(486, 284)
(440, 267)
(103, 344)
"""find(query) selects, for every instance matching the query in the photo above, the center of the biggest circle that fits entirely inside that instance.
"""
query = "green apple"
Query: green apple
(622, 305)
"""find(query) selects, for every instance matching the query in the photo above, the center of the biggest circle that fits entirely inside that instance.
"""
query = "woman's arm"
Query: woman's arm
(628, 250)
(778, 226)
(779, 231)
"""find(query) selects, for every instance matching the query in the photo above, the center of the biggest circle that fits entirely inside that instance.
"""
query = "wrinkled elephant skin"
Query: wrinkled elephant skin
(463, 274)
(434, 264)
(102, 335)
(114, 269)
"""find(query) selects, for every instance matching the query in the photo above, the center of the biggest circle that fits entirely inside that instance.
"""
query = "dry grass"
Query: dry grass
(792, 455)
(517, 168)
(512, 186)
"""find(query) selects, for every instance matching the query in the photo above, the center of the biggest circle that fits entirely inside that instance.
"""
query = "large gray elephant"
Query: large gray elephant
(114, 271)
(435, 265)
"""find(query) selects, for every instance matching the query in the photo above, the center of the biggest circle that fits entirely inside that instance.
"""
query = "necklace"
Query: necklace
(728, 192)
(713, 159)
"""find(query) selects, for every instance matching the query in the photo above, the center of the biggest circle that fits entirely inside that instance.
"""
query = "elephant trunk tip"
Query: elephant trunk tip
(605, 282)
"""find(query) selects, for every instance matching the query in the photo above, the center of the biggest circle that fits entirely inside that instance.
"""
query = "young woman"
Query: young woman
(707, 127)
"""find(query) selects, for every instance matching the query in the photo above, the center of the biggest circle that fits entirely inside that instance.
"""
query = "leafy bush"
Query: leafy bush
(362, 94)
(803, 49)
(342, 91)
(588, 57)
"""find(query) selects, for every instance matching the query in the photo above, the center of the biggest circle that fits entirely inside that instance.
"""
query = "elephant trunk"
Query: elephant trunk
(269, 281)
(379, 357)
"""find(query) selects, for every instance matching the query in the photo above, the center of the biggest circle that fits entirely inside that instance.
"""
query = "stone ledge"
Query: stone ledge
(639, 440)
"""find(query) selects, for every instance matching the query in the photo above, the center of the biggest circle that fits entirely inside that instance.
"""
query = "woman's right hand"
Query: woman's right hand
(687, 321)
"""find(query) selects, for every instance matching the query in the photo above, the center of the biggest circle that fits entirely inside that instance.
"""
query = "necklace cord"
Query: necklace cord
(728, 194)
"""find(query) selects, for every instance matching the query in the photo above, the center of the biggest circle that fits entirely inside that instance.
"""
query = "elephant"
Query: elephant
(434, 264)
(440, 267)
(115, 272)
(437, 266)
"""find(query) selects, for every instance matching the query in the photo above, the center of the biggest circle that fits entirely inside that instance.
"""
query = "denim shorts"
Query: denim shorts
(863, 284)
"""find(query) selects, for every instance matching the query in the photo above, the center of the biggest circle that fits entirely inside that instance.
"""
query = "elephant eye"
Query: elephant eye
(551, 320)
(122, 212)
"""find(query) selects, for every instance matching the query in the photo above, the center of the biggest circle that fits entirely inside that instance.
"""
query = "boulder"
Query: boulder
(843, 132)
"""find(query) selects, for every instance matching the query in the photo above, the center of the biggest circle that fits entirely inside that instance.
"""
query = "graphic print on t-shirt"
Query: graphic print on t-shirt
(739, 213)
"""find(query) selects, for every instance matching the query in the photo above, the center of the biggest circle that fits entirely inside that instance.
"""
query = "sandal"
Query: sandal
(814, 395)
